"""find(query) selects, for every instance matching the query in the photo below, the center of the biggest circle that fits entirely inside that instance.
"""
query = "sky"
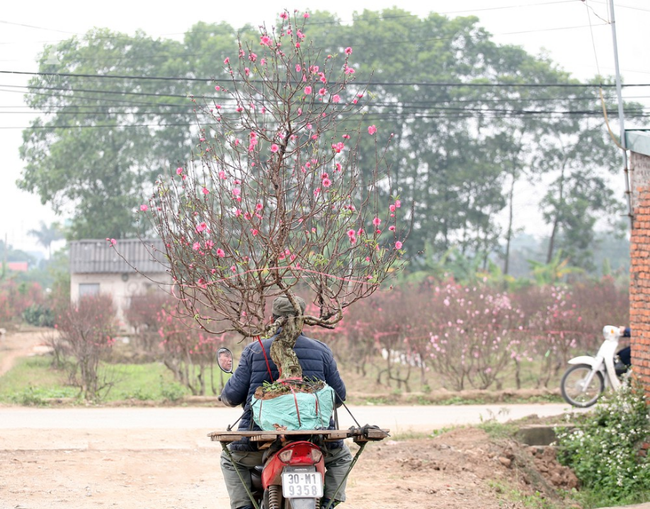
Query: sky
(576, 34)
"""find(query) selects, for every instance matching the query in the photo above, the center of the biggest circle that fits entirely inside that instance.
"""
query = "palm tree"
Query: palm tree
(46, 235)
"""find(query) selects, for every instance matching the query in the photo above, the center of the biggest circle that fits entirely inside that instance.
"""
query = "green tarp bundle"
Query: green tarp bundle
(296, 411)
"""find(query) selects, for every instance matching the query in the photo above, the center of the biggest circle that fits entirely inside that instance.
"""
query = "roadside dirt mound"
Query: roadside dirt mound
(459, 469)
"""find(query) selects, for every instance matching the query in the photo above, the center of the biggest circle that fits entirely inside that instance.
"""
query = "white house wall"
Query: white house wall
(120, 290)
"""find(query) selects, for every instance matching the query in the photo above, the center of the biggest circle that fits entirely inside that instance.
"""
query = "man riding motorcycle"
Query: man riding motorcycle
(317, 361)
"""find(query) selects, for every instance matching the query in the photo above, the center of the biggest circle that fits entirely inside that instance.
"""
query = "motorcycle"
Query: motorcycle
(585, 381)
(293, 473)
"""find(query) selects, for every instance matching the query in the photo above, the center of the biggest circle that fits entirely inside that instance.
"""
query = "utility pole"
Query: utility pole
(621, 115)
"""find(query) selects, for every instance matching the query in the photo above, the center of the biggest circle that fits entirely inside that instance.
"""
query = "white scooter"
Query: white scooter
(586, 379)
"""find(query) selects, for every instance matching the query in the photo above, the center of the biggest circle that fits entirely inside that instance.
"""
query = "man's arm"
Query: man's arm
(333, 379)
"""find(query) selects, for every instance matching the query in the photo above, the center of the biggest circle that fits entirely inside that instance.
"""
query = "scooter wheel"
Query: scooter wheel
(574, 390)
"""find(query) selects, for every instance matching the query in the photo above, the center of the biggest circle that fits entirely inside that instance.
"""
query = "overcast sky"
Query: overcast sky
(574, 33)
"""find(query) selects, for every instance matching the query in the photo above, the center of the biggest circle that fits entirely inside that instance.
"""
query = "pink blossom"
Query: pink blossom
(265, 40)
(322, 91)
(298, 68)
(372, 130)
(391, 228)
(209, 244)
(348, 70)
(336, 98)
(201, 227)
(348, 50)
(274, 148)
(398, 245)
(233, 268)
(179, 171)
(254, 231)
(307, 90)
(236, 191)
(338, 167)
(217, 88)
(398, 203)
(111, 241)
(327, 182)
(259, 206)
(284, 15)
(196, 246)
(205, 191)
(376, 221)
(226, 61)
(392, 208)
(306, 15)
(252, 57)
(351, 233)
(144, 208)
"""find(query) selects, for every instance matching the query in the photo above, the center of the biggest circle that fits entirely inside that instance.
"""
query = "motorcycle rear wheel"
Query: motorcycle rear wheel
(573, 389)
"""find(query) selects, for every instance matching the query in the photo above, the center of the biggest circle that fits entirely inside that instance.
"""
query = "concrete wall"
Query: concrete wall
(113, 284)
(640, 267)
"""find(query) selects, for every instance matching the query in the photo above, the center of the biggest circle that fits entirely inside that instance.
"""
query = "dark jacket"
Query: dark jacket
(315, 358)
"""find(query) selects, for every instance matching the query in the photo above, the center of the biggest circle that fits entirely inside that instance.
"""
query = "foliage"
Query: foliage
(87, 329)
(16, 297)
(112, 149)
(604, 450)
(45, 235)
(476, 336)
(187, 351)
(554, 271)
(472, 120)
(39, 315)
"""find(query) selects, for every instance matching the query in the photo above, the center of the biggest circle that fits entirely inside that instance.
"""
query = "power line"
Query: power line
(359, 82)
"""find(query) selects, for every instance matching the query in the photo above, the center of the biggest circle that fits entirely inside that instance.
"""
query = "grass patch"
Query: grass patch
(33, 380)
(143, 382)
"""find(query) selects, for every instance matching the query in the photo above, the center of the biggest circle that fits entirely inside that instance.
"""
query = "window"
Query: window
(88, 289)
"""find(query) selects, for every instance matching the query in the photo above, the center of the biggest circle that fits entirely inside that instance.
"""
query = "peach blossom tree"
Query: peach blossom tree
(276, 200)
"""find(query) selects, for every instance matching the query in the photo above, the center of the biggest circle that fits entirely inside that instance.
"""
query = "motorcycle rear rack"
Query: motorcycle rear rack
(359, 435)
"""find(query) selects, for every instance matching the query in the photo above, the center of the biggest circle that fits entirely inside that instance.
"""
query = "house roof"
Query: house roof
(127, 256)
(18, 266)
(638, 140)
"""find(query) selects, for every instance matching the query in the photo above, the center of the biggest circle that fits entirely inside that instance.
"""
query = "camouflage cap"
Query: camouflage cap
(283, 307)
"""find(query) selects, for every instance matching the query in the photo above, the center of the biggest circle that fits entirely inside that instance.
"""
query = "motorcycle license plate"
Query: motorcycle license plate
(301, 484)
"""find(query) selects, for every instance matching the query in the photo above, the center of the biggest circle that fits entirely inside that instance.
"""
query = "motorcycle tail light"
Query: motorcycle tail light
(316, 455)
(285, 456)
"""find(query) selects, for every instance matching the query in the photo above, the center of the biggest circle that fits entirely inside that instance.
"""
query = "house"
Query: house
(18, 266)
(130, 267)
(638, 143)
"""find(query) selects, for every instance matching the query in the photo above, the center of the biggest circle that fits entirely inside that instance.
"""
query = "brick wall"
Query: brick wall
(640, 269)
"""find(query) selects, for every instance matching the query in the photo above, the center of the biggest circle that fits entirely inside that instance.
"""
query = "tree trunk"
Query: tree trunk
(282, 348)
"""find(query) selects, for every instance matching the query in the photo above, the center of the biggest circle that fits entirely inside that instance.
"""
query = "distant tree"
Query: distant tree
(45, 235)
(114, 126)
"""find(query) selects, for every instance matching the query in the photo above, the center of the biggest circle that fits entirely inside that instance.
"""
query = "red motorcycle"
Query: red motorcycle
(293, 473)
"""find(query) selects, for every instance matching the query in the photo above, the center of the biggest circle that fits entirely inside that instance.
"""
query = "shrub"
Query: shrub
(605, 448)
(40, 315)
(87, 328)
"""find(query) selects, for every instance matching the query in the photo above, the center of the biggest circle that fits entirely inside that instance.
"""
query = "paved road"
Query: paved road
(400, 419)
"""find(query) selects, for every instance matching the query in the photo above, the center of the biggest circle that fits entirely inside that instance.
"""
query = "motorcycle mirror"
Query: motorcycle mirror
(224, 360)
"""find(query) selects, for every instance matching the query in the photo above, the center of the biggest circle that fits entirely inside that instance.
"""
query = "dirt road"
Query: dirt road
(161, 458)
(21, 344)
